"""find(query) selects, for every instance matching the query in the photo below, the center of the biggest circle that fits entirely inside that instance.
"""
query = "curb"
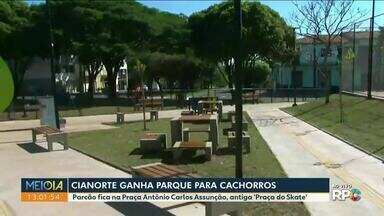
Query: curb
(339, 138)
(5, 209)
(128, 170)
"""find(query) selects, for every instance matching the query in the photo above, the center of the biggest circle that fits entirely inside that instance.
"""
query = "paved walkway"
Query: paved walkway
(85, 123)
(304, 151)
(375, 94)
(18, 158)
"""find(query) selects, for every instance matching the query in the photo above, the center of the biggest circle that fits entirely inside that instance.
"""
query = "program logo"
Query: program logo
(44, 190)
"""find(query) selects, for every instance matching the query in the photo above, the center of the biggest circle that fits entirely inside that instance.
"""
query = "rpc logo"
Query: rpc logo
(342, 194)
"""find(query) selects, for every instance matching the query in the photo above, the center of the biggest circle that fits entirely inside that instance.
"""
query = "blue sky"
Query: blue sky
(284, 8)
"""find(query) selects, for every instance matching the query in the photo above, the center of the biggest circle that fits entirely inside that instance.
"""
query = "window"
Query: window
(323, 52)
(339, 51)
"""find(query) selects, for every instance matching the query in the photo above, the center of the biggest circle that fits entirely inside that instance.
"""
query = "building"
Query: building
(354, 68)
(311, 59)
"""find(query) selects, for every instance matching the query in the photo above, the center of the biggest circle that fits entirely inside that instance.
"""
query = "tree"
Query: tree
(140, 69)
(16, 45)
(177, 70)
(324, 21)
(121, 34)
(256, 73)
(85, 43)
(265, 35)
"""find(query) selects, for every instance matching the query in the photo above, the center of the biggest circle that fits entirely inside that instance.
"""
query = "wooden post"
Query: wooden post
(143, 95)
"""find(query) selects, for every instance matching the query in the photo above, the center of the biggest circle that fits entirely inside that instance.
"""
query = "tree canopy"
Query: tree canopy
(104, 34)
(265, 34)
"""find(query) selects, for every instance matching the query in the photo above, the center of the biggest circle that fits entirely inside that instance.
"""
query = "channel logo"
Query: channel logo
(355, 194)
(44, 189)
(344, 194)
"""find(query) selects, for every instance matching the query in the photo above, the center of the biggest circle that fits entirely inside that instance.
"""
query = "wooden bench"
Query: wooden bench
(160, 170)
(188, 112)
(251, 96)
(150, 103)
(154, 115)
(153, 142)
(52, 135)
(180, 146)
(187, 131)
(33, 108)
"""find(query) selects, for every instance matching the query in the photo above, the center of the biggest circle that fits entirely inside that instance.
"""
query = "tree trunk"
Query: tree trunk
(91, 87)
(160, 89)
(327, 85)
(80, 86)
(111, 80)
(327, 72)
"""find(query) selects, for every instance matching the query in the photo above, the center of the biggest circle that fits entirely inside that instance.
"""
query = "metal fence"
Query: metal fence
(360, 71)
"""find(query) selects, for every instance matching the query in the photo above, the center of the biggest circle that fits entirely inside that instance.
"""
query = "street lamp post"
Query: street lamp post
(238, 90)
(294, 75)
(52, 64)
(341, 119)
(370, 56)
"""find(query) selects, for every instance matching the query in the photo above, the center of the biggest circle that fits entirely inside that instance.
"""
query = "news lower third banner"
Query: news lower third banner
(175, 190)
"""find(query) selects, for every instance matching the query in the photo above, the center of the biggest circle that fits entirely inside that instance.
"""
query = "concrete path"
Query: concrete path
(19, 158)
(85, 123)
(304, 151)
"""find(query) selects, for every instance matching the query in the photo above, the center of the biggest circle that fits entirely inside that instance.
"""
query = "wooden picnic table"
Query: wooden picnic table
(177, 125)
(197, 119)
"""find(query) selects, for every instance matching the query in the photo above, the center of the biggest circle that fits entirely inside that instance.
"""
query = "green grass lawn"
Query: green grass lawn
(363, 120)
(120, 147)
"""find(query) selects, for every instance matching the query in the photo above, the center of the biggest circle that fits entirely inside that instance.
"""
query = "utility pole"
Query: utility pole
(314, 62)
(341, 80)
(370, 56)
(52, 63)
(238, 89)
